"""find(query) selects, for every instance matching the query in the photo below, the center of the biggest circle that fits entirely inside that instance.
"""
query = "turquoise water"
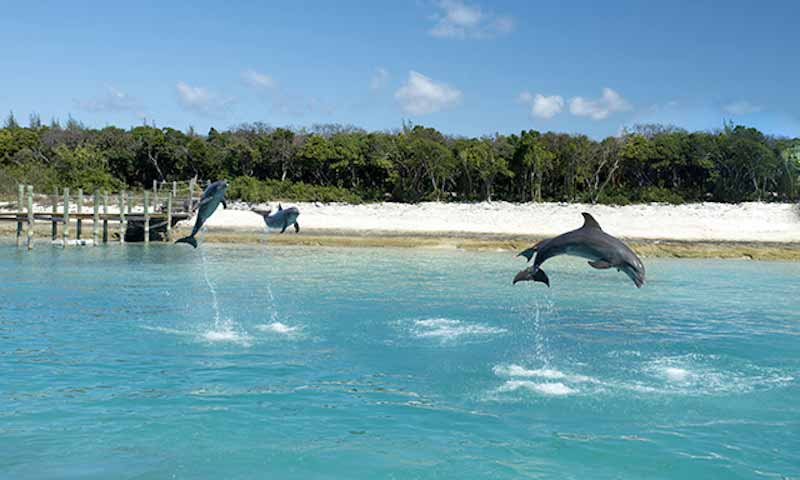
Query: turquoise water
(288, 362)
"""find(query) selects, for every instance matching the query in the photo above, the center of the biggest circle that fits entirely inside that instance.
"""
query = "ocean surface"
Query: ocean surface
(245, 362)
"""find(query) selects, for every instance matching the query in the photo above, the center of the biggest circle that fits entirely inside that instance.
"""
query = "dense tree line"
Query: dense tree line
(415, 163)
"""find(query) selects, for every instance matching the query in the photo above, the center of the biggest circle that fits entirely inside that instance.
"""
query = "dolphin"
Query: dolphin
(281, 219)
(213, 195)
(589, 241)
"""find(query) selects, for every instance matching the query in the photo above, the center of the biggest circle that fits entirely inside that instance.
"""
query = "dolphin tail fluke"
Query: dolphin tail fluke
(190, 240)
(532, 274)
(540, 276)
(296, 227)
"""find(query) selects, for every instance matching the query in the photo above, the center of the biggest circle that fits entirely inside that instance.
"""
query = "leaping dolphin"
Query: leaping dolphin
(281, 219)
(213, 195)
(589, 241)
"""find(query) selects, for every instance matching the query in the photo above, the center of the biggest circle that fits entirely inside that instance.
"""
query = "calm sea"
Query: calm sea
(248, 362)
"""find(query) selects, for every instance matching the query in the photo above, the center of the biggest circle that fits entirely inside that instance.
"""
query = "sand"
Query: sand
(711, 222)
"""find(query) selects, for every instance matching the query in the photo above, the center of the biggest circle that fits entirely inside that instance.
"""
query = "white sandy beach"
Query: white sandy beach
(753, 222)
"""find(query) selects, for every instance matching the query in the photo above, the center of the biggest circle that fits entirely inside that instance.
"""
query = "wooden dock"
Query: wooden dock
(130, 216)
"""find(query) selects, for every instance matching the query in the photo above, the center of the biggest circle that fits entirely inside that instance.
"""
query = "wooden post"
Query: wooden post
(53, 215)
(146, 218)
(155, 196)
(169, 218)
(80, 210)
(65, 228)
(105, 216)
(20, 211)
(95, 216)
(30, 217)
(122, 217)
(191, 195)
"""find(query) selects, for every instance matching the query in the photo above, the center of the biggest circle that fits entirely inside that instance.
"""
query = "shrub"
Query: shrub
(659, 195)
(250, 189)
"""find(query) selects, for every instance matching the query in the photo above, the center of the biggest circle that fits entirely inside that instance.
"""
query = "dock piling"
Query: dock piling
(79, 222)
(155, 196)
(20, 208)
(169, 217)
(95, 216)
(105, 216)
(54, 217)
(122, 216)
(30, 217)
(146, 218)
(65, 228)
(189, 207)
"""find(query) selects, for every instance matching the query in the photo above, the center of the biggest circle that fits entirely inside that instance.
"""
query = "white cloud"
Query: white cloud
(456, 19)
(542, 106)
(422, 95)
(258, 80)
(741, 107)
(610, 102)
(379, 79)
(112, 100)
(200, 99)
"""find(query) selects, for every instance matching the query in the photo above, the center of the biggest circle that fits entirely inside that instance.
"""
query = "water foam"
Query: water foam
(548, 373)
(223, 330)
(448, 329)
(278, 327)
(554, 389)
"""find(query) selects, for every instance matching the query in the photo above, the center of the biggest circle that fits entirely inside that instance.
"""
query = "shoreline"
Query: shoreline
(647, 248)
(498, 242)
(763, 231)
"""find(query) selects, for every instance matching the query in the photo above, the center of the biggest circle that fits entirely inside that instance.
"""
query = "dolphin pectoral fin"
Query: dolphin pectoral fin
(528, 253)
(296, 227)
(285, 224)
(589, 221)
(224, 205)
(600, 264)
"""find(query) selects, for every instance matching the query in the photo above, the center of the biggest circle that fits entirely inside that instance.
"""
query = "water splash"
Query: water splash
(534, 319)
(224, 330)
(214, 301)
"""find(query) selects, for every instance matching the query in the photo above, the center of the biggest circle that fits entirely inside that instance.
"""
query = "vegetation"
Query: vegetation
(650, 163)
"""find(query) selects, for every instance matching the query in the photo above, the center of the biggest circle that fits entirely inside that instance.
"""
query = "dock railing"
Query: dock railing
(140, 214)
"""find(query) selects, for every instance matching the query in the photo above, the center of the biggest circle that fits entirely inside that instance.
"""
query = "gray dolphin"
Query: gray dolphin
(213, 195)
(282, 218)
(589, 241)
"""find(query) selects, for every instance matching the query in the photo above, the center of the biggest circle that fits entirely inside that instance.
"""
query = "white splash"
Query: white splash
(554, 389)
(676, 374)
(548, 373)
(448, 329)
(278, 327)
(223, 330)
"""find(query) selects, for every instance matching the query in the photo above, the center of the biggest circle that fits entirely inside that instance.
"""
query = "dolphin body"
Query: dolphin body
(213, 195)
(589, 241)
(282, 218)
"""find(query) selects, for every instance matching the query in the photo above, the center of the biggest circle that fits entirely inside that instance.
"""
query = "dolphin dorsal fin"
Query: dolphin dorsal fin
(589, 221)
(279, 207)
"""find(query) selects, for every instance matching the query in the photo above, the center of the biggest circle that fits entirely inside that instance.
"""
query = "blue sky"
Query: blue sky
(464, 67)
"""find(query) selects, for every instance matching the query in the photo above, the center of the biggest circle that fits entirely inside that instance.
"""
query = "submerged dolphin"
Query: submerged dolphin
(282, 218)
(589, 241)
(213, 195)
